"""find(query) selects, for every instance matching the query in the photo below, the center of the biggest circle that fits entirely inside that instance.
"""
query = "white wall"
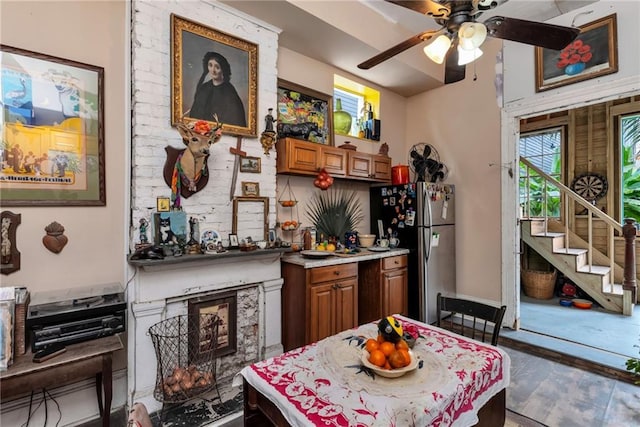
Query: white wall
(152, 130)
(462, 121)
(519, 76)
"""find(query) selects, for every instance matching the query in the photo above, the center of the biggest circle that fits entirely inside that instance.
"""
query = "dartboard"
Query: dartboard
(591, 186)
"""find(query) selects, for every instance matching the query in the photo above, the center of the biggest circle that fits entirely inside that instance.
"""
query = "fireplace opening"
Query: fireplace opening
(186, 352)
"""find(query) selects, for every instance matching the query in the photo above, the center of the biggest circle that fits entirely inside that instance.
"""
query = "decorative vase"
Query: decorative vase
(573, 69)
(341, 119)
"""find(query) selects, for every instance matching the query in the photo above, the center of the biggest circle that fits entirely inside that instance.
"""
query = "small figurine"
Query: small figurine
(268, 137)
(144, 224)
(269, 121)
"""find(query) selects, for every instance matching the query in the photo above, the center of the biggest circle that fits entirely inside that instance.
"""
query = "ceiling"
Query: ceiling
(346, 33)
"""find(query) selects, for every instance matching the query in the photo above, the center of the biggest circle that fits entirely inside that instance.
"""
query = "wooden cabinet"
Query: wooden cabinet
(317, 302)
(369, 166)
(296, 156)
(299, 157)
(382, 288)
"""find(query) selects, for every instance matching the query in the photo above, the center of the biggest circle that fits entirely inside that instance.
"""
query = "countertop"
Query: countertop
(363, 255)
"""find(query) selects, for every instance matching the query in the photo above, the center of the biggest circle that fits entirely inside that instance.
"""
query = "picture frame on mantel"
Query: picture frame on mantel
(592, 54)
(304, 113)
(234, 61)
(53, 148)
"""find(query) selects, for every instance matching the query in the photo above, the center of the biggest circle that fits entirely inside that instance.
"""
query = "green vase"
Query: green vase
(341, 119)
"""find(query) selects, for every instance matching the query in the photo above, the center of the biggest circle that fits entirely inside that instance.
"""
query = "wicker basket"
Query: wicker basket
(539, 284)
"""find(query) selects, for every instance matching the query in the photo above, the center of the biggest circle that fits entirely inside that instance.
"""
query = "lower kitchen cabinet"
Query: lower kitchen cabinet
(317, 302)
(382, 288)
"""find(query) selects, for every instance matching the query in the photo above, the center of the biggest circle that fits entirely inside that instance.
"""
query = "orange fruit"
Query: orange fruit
(396, 359)
(380, 339)
(371, 345)
(377, 358)
(387, 365)
(387, 348)
(407, 356)
(402, 345)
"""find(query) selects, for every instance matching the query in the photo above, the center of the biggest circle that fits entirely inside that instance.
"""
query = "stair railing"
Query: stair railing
(568, 195)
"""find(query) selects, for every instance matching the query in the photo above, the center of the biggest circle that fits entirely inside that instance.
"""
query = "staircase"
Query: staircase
(594, 271)
(595, 280)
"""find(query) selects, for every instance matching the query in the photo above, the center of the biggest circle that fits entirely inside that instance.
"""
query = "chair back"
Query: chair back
(470, 318)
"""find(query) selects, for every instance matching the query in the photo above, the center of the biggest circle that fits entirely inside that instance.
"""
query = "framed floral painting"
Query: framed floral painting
(592, 54)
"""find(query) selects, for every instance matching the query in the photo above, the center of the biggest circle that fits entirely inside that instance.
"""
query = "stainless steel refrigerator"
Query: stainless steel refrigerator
(422, 216)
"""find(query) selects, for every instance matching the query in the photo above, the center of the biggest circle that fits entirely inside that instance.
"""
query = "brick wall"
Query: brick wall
(151, 115)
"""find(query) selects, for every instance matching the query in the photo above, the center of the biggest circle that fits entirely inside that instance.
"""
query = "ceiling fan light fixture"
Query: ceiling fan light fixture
(437, 50)
(471, 35)
(467, 56)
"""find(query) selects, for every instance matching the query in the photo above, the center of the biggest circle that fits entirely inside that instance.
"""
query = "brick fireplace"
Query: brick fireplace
(160, 292)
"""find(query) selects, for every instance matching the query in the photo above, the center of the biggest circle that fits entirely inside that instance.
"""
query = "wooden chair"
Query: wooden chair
(470, 318)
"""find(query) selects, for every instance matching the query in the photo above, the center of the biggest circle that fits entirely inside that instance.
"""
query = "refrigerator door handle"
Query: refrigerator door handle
(427, 242)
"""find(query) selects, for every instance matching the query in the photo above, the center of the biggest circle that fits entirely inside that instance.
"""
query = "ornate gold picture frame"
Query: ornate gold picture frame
(208, 65)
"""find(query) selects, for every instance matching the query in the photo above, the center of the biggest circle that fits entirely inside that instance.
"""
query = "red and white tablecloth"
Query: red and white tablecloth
(323, 383)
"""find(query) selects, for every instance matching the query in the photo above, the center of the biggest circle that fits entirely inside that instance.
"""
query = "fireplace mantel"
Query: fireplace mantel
(187, 261)
(160, 289)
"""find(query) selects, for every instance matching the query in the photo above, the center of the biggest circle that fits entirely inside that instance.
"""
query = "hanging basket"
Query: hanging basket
(539, 284)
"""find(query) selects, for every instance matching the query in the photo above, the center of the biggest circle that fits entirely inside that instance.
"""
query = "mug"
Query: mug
(383, 243)
(394, 242)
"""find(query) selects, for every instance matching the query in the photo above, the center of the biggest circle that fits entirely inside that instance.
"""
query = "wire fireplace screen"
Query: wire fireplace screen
(185, 349)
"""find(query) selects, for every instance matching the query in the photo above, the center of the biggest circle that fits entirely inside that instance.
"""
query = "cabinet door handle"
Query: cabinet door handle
(334, 287)
(336, 272)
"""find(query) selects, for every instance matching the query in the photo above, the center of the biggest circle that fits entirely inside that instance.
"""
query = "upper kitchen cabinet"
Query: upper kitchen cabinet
(297, 157)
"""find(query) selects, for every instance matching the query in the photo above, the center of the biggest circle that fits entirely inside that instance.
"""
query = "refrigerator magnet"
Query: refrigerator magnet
(435, 239)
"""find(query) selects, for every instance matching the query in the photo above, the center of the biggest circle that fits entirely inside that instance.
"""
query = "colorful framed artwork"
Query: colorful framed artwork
(163, 204)
(228, 92)
(304, 113)
(593, 53)
(250, 189)
(52, 145)
(223, 306)
(250, 164)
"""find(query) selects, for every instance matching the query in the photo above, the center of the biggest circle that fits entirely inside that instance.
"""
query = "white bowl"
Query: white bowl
(390, 373)
(367, 240)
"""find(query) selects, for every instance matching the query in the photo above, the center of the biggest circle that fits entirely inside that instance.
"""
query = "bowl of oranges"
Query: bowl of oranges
(387, 359)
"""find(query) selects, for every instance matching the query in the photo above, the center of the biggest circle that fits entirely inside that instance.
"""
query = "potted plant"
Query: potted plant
(334, 212)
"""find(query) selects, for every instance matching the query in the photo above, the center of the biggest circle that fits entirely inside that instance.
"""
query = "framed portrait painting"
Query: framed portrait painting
(304, 113)
(593, 53)
(52, 149)
(224, 306)
(214, 77)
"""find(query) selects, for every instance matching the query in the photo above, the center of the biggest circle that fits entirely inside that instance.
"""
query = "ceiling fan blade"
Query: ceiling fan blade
(393, 51)
(426, 7)
(549, 36)
(452, 71)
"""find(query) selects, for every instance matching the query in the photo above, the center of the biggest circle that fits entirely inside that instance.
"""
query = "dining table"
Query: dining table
(457, 381)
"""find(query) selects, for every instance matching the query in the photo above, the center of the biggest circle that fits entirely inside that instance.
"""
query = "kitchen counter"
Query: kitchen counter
(336, 259)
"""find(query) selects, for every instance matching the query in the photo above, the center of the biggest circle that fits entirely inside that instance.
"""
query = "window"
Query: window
(359, 101)
(544, 150)
(630, 168)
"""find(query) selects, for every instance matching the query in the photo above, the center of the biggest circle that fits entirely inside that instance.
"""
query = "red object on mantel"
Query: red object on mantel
(400, 175)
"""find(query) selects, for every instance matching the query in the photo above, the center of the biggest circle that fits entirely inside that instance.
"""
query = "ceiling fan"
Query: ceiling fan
(458, 40)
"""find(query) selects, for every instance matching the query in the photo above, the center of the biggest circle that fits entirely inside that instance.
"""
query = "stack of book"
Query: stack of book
(13, 312)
